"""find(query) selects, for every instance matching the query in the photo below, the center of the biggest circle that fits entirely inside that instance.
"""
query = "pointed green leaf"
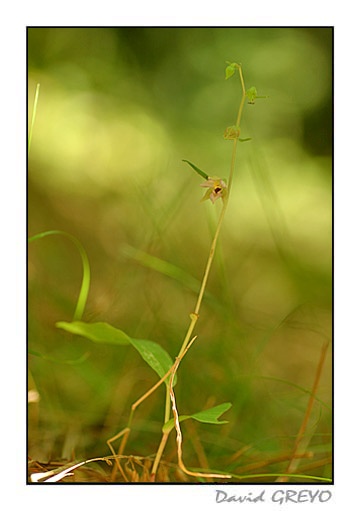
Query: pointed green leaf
(199, 171)
(96, 332)
(209, 416)
(154, 355)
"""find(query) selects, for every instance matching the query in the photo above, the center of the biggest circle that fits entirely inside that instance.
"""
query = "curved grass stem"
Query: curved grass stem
(85, 283)
(36, 100)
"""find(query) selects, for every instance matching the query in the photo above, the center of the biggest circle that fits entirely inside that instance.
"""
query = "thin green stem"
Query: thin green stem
(238, 120)
(159, 453)
(243, 97)
(195, 315)
(167, 406)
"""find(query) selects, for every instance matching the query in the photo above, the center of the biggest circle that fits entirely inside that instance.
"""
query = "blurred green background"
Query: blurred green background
(119, 109)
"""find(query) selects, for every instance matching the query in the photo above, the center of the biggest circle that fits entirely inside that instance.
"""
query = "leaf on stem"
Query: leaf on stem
(209, 416)
(153, 354)
(199, 171)
(96, 332)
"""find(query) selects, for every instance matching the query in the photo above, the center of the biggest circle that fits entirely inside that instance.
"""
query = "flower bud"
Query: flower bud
(232, 132)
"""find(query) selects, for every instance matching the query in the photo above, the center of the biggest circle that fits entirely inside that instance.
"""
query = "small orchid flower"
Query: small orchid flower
(216, 188)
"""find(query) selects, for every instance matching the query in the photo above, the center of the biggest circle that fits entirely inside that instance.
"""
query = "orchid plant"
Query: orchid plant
(153, 353)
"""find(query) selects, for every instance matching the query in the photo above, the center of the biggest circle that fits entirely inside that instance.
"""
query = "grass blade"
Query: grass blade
(85, 284)
(33, 116)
